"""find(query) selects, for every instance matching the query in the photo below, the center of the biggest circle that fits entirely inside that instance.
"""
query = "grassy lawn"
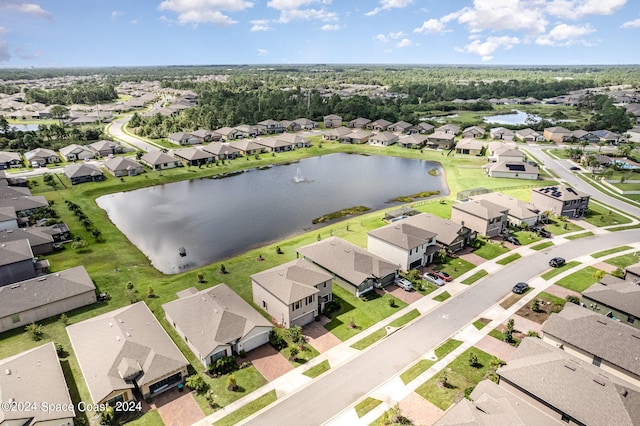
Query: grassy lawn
(610, 251)
(557, 227)
(150, 418)
(580, 280)
(602, 216)
(480, 324)
(557, 271)
(624, 260)
(475, 277)
(497, 334)
(361, 313)
(542, 246)
(424, 364)
(527, 237)
(367, 405)
(580, 235)
(248, 409)
(509, 259)
(460, 376)
(370, 339)
(409, 316)
(554, 300)
(305, 353)
(455, 267)
(488, 249)
(442, 296)
(317, 370)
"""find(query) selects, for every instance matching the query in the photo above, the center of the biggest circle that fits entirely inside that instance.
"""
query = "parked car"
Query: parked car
(513, 240)
(541, 232)
(443, 276)
(433, 279)
(557, 262)
(520, 288)
(404, 284)
(574, 168)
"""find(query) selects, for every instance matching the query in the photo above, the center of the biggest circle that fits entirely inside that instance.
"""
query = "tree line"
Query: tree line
(74, 94)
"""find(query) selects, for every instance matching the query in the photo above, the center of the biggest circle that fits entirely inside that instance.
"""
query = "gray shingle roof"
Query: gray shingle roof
(81, 169)
(292, 281)
(620, 295)
(34, 235)
(406, 234)
(563, 192)
(517, 208)
(482, 208)
(157, 157)
(27, 202)
(122, 163)
(15, 251)
(192, 154)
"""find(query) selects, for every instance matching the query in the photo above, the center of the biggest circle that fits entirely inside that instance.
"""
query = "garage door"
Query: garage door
(255, 341)
(305, 319)
(415, 264)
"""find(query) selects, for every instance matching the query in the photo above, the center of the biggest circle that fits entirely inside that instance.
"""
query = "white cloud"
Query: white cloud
(405, 42)
(564, 35)
(28, 8)
(116, 13)
(486, 49)
(631, 24)
(23, 54)
(496, 15)
(330, 27)
(432, 26)
(263, 52)
(397, 35)
(205, 11)
(287, 16)
(381, 38)
(260, 25)
(289, 4)
(133, 22)
(576, 9)
(389, 4)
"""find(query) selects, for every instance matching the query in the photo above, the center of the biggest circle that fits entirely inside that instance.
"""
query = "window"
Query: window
(596, 361)
(296, 305)
(324, 285)
(15, 318)
(631, 319)
(309, 300)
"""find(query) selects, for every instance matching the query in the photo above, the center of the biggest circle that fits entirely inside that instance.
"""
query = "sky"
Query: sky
(88, 33)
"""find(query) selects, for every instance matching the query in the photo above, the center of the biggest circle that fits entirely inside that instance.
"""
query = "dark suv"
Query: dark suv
(520, 288)
(541, 232)
(557, 262)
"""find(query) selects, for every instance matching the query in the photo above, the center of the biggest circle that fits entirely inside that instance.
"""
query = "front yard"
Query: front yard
(602, 216)
(580, 280)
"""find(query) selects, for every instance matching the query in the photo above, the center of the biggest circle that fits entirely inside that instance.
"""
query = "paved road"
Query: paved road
(342, 387)
(116, 129)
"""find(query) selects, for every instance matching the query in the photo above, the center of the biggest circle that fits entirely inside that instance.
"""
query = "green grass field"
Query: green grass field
(610, 251)
(509, 259)
(557, 271)
(317, 370)
(624, 260)
(580, 280)
(424, 364)
(248, 409)
(475, 277)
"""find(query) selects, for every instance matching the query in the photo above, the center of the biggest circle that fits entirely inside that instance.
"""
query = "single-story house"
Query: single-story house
(24, 206)
(449, 129)
(481, 216)
(567, 388)
(399, 127)
(41, 156)
(305, 123)
(158, 160)
(193, 156)
(469, 146)
(336, 133)
(290, 126)
(557, 134)
(16, 262)
(441, 140)
(519, 212)
(502, 133)
(607, 136)
(378, 125)
(203, 135)
(105, 148)
(140, 356)
(10, 159)
(511, 169)
(40, 242)
(600, 159)
(123, 166)
(332, 121)
(561, 200)
(604, 342)
(216, 322)
(7, 191)
(406, 242)
(422, 128)
(248, 147)
(383, 139)
(357, 136)
(473, 132)
(8, 218)
(353, 268)
(248, 131)
(222, 151)
(228, 133)
(415, 140)
(82, 172)
(182, 138)
(275, 144)
(296, 141)
(615, 298)
(498, 154)
(359, 123)
(634, 134)
(529, 135)
(584, 136)
(35, 378)
(38, 298)
(75, 152)
(293, 293)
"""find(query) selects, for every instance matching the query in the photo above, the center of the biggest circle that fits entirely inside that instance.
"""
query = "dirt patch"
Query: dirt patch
(511, 300)
(485, 321)
(545, 309)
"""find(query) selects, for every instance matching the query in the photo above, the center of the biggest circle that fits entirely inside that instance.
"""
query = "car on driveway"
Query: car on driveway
(404, 284)
(513, 240)
(541, 232)
(443, 276)
(433, 279)
(520, 288)
(557, 262)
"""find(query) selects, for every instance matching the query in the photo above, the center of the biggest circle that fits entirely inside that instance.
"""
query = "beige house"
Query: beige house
(35, 378)
(336, 133)
(75, 152)
(511, 170)
(216, 322)
(519, 212)
(383, 139)
(481, 216)
(557, 134)
(158, 160)
(353, 268)
(561, 200)
(332, 121)
(407, 243)
(293, 293)
(123, 166)
(415, 141)
(125, 350)
(469, 146)
(441, 140)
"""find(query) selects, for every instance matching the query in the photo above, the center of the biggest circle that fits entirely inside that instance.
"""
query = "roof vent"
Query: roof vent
(118, 338)
(7, 372)
(570, 367)
(602, 322)
(624, 392)
(42, 278)
(110, 324)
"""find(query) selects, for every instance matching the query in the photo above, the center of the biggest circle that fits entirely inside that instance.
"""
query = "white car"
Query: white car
(433, 279)
(404, 284)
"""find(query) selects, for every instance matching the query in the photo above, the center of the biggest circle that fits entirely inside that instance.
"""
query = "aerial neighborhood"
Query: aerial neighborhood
(502, 281)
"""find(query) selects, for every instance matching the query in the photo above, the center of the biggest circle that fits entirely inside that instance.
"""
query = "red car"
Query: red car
(442, 275)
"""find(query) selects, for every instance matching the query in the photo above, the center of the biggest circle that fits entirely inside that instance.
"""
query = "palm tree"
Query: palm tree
(600, 145)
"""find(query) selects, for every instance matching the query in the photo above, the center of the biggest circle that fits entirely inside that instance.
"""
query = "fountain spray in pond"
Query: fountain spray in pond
(298, 178)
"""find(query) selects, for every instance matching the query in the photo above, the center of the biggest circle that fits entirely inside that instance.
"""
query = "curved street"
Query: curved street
(116, 129)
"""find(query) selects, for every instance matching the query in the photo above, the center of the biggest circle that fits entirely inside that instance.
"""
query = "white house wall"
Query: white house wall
(393, 254)
(255, 338)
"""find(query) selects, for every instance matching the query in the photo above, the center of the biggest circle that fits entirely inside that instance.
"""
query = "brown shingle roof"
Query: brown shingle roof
(292, 281)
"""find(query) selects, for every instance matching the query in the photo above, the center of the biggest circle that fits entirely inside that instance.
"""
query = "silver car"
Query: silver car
(433, 279)
(404, 284)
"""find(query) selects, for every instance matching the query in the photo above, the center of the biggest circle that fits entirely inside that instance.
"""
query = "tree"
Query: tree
(232, 385)
(508, 334)
(223, 270)
(293, 353)
(196, 382)
(108, 416)
(473, 359)
(35, 331)
(59, 112)
(444, 379)
(535, 305)
(295, 334)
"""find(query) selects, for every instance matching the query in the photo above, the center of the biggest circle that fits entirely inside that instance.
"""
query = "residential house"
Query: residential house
(469, 146)
(450, 236)
(158, 160)
(561, 200)
(123, 166)
(557, 134)
(182, 138)
(352, 267)
(216, 322)
(290, 126)
(473, 132)
(248, 131)
(203, 135)
(275, 144)
(512, 170)
(305, 123)
(272, 126)
(616, 298)
(359, 123)
(296, 141)
(248, 147)
(568, 388)
(632, 272)
(140, 356)
(193, 156)
(406, 243)
(7, 191)
(415, 141)
(336, 133)
(59, 231)
(481, 216)
(399, 127)
(40, 242)
(440, 140)
(12, 180)
(607, 136)
(10, 160)
(35, 378)
(105, 148)
(604, 342)
(600, 160)
(451, 129)
(228, 133)
(422, 128)
(82, 173)
(357, 136)
(633, 135)
(502, 134)
(8, 218)
(584, 136)
(399, 213)
(293, 293)
(16, 262)
(24, 206)
(489, 404)
(529, 135)
(36, 299)
(505, 154)
(379, 125)
(41, 156)
(75, 152)
(383, 139)
(222, 151)
(519, 212)
(332, 121)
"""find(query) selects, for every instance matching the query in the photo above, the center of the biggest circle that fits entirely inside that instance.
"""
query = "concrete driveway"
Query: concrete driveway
(419, 410)
(406, 296)
(269, 362)
(319, 337)
(177, 408)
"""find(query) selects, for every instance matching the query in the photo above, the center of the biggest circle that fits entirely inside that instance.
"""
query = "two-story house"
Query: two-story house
(481, 216)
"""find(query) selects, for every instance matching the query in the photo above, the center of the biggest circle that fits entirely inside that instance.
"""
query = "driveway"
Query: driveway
(319, 337)
(269, 362)
(495, 347)
(561, 292)
(406, 296)
(177, 408)
(419, 410)
(468, 255)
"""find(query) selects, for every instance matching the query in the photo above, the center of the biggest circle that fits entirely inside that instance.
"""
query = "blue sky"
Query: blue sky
(62, 33)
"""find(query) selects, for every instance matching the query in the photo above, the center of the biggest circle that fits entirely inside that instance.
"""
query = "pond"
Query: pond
(515, 118)
(214, 219)
(23, 127)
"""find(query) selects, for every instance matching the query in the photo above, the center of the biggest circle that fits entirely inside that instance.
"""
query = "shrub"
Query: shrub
(293, 353)
(232, 385)
(618, 273)
(64, 320)
(533, 333)
(573, 299)
(129, 285)
(277, 341)
(223, 365)
(35, 331)
(223, 269)
(473, 359)
(197, 383)
(243, 354)
(535, 305)
(200, 277)
(392, 302)
(331, 307)
(60, 350)
(295, 334)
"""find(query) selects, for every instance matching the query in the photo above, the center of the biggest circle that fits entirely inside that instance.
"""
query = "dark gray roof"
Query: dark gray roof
(7, 191)
(40, 291)
(81, 169)
(15, 251)
(27, 202)
(34, 235)
(219, 148)
(192, 154)
(292, 281)
(561, 192)
(517, 208)
(577, 388)
(122, 163)
(620, 295)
